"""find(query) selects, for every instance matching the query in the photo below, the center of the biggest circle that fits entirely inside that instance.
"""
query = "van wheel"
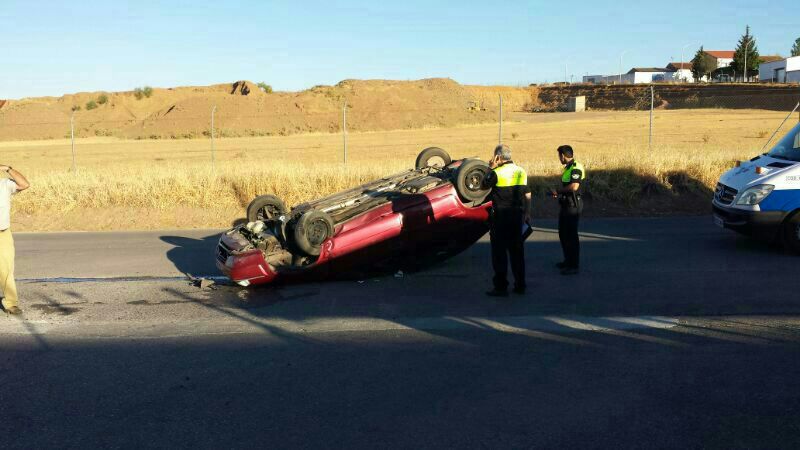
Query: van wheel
(791, 233)
(266, 208)
(469, 180)
(432, 157)
(313, 227)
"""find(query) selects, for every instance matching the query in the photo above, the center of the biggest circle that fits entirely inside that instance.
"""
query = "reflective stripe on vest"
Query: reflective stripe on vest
(510, 175)
(566, 177)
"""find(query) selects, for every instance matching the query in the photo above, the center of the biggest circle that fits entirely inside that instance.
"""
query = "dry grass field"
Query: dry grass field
(149, 184)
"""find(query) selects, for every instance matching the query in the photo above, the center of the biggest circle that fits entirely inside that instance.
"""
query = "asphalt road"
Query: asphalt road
(675, 334)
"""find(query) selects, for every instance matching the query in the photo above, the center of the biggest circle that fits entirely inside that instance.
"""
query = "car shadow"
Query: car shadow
(193, 256)
(640, 267)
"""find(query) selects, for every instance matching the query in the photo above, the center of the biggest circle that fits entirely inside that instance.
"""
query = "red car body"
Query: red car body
(407, 230)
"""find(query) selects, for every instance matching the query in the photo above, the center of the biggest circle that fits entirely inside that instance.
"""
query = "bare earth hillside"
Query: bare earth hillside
(245, 110)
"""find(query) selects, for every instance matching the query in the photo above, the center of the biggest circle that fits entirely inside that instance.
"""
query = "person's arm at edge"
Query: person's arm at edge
(528, 206)
(18, 178)
(570, 188)
(490, 180)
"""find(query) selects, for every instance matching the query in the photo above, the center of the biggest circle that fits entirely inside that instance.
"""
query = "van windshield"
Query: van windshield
(788, 147)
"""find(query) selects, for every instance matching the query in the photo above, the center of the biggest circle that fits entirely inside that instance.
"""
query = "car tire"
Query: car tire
(311, 229)
(432, 157)
(266, 208)
(791, 233)
(469, 180)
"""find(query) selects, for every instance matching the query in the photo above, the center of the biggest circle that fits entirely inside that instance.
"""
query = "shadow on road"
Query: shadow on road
(584, 361)
(193, 256)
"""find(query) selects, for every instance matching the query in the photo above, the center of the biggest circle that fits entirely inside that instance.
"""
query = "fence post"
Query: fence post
(213, 156)
(344, 131)
(72, 139)
(652, 106)
(500, 120)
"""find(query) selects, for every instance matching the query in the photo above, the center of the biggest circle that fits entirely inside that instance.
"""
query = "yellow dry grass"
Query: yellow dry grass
(164, 183)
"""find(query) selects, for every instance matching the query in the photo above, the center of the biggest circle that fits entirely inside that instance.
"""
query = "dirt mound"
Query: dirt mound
(244, 88)
(243, 109)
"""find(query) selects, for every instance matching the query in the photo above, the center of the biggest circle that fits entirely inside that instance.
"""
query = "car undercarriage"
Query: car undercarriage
(293, 239)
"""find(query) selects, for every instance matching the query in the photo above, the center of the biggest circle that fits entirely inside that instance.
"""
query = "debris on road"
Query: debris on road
(200, 282)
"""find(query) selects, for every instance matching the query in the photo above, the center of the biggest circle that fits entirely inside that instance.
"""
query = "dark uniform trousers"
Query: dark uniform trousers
(568, 219)
(507, 243)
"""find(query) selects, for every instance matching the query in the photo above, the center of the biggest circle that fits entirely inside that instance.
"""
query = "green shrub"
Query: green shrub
(102, 99)
(138, 93)
(76, 108)
(91, 105)
(265, 87)
(147, 91)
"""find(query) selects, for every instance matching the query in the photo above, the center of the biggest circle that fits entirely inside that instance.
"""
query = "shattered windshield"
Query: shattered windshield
(788, 147)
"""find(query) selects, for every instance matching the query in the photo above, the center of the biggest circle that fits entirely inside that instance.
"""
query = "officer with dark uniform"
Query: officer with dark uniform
(569, 199)
(510, 210)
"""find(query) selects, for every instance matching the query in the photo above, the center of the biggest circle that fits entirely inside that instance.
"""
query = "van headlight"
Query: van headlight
(755, 194)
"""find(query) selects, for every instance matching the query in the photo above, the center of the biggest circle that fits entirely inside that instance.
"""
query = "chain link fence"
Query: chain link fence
(650, 116)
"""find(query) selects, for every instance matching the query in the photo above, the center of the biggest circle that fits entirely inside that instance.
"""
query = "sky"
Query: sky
(60, 47)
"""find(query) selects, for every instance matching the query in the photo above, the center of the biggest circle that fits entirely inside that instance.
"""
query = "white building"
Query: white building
(594, 79)
(724, 58)
(625, 78)
(783, 71)
(650, 75)
(682, 72)
(637, 75)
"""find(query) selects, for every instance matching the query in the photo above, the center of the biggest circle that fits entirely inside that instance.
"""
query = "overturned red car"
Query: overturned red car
(402, 221)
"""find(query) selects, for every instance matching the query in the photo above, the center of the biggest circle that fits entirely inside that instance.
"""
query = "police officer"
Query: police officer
(569, 199)
(510, 210)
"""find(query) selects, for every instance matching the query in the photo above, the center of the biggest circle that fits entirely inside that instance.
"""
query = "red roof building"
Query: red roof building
(721, 54)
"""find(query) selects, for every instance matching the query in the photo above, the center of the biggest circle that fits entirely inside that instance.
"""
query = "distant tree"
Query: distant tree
(147, 91)
(138, 93)
(91, 105)
(102, 99)
(702, 64)
(747, 43)
(265, 87)
(796, 47)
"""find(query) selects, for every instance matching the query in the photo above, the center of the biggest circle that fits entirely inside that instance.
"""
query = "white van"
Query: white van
(761, 197)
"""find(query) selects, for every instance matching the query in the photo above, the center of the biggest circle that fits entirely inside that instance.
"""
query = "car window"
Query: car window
(788, 147)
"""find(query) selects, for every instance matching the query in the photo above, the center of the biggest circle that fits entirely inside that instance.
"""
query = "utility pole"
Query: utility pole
(746, 46)
(652, 106)
(500, 120)
(565, 73)
(682, 50)
(344, 129)
(213, 157)
(72, 138)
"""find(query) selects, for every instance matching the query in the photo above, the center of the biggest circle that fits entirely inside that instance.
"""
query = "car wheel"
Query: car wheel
(266, 208)
(791, 232)
(432, 157)
(311, 230)
(469, 180)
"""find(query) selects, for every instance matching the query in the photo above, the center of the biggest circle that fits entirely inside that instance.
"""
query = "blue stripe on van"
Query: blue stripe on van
(781, 200)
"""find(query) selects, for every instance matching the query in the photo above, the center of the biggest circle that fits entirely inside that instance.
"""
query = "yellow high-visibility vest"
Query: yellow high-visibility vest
(567, 178)
(510, 174)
